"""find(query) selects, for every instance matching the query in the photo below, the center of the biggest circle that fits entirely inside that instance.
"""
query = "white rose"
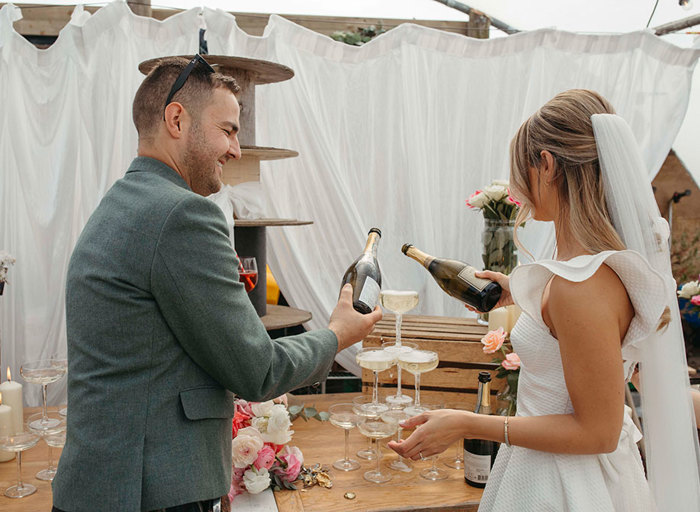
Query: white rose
(256, 481)
(479, 200)
(278, 427)
(496, 192)
(503, 183)
(688, 290)
(245, 447)
(260, 424)
(262, 408)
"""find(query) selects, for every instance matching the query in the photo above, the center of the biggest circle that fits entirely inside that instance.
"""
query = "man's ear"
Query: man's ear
(174, 115)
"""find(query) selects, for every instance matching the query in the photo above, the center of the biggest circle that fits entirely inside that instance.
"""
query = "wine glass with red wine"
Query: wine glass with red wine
(248, 273)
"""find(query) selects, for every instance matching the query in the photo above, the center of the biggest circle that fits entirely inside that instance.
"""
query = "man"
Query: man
(160, 331)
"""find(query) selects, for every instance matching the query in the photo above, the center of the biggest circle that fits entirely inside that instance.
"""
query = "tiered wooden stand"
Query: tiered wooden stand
(250, 235)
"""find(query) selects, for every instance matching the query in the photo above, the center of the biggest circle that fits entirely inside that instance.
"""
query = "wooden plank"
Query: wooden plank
(49, 20)
(445, 378)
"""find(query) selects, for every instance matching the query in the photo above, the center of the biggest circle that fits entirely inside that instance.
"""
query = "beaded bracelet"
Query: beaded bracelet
(505, 431)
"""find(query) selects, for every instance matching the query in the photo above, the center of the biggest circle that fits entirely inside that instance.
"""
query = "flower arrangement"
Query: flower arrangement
(691, 292)
(6, 260)
(260, 454)
(508, 368)
(495, 201)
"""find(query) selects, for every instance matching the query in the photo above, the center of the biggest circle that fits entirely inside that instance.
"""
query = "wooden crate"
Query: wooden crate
(458, 343)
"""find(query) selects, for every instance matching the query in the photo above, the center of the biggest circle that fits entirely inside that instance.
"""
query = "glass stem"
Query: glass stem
(20, 485)
(398, 384)
(375, 399)
(51, 468)
(44, 416)
(347, 437)
(398, 329)
(417, 399)
(379, 458)
(398, 440)
(460, 449)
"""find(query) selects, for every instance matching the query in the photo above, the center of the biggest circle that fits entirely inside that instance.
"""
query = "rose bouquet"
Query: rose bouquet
(260, 454)
(508, 368)
(495, 201)
(691, 292)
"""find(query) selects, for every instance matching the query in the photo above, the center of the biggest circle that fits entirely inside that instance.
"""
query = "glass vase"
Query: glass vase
(499, 253)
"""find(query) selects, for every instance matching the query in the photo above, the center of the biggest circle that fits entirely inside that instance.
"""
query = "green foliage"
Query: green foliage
(361, 36)
(685, 252)
(306, 413)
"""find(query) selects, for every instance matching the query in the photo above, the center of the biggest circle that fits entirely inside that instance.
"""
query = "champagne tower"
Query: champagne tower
(250, 235)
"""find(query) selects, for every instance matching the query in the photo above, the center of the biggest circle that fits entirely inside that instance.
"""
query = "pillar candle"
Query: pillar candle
(12, 397)
(6, 429)
(498, 318)
(513, 315)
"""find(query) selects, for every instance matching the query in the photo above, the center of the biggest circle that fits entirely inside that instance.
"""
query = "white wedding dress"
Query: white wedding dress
(527, 480)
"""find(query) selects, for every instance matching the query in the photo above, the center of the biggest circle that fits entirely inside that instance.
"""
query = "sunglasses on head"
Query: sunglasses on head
(184, 75)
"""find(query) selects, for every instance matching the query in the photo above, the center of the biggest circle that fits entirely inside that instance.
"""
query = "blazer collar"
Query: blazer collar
(148, 164)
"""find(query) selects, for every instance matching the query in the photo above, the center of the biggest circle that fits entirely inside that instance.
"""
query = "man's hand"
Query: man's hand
(349, 325)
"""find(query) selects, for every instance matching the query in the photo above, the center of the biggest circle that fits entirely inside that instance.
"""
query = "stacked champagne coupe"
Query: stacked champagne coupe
(377, 420)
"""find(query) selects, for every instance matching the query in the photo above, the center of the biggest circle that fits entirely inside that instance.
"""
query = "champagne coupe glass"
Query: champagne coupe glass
(398, 302)
(433, 472)
(44, 372)
(359, 406)
(457, 462)
(398, 415)
(343, 416)
(417, 362)
(19, 443)
(377, 360)
(52, 436)
(377, 428)
(399, 400)
(248, 273)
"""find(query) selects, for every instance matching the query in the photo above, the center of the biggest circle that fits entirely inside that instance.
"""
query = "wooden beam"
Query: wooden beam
(49, 20)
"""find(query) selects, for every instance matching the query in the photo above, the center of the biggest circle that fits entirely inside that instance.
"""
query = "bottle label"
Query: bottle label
(370, 292)
(467, 276)
(477, 467)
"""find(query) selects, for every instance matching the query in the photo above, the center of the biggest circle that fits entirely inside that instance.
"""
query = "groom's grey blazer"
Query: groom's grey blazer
(160, 334)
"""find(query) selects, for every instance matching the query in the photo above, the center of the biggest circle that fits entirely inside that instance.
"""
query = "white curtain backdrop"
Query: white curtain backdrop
(395, 134)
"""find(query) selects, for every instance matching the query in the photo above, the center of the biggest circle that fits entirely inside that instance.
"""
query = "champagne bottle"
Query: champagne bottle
(364, 275)
(457, 279)
(479, 455)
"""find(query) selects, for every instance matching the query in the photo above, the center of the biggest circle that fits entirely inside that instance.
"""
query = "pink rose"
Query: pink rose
(493, 340)
(471, 198)
(237, 486)
(511, 362)
(266, 457)
(244, 407)
(695, 300)
(292, 459)
(513, 199)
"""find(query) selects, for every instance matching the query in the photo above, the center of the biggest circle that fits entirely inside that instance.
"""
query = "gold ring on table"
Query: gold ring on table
(421, 455)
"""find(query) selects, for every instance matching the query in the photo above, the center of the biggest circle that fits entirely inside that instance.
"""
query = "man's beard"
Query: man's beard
(201, 163)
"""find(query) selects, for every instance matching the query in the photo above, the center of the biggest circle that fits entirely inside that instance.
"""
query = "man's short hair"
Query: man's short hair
(149, 101)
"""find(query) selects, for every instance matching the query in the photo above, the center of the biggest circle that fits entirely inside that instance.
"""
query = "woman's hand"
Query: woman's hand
(435, 432)
(502, 279)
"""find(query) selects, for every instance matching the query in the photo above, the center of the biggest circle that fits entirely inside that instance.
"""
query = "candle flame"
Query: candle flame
(0, 398)
(9, 375)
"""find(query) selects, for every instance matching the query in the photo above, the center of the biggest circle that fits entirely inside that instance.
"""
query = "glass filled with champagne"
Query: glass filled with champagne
(418, 362)
(377, 360)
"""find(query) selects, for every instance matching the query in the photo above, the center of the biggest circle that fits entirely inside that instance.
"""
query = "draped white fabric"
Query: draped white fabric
(395, 134)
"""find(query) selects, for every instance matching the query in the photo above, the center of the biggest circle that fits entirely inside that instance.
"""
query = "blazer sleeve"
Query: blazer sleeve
(194, 279)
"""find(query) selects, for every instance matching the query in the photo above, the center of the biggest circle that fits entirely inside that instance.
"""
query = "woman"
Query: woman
(589, 315)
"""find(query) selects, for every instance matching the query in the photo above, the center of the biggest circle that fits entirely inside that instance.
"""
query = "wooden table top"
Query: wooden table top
(320, 442)
(33, 460)
(323, 443)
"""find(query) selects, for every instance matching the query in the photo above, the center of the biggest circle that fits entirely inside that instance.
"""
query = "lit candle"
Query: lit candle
(6, 429)
(12, 396)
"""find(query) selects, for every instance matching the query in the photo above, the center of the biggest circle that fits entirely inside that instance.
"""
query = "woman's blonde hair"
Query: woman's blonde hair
(563, 127)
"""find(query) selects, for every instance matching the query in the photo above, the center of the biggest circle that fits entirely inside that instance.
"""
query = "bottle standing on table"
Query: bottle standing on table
(457, 279)
(479, 455)
(364, 275)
